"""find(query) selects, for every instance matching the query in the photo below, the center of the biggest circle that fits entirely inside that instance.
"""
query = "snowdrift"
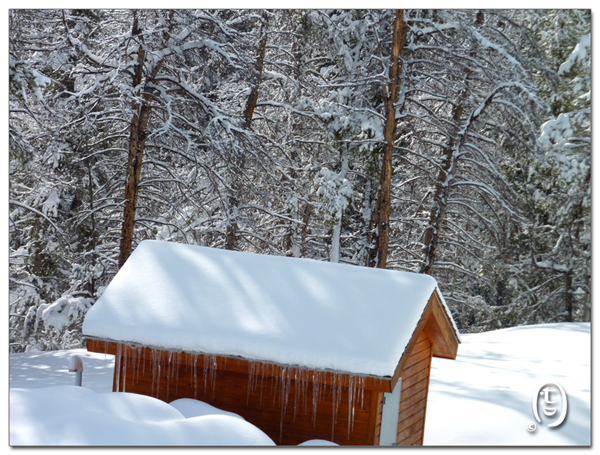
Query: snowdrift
(484, 398)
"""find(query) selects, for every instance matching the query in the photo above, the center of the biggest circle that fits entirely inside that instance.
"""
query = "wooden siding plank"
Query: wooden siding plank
(410, 420)
(414, 389)
(422, 344)
(416, 368)
(409, 411)
(417, 357)
(406, 433)
(414, 440)
(420, 376)
(407, 402)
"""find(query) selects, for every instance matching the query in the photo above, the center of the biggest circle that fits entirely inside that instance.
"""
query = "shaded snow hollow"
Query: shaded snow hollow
(317, 315)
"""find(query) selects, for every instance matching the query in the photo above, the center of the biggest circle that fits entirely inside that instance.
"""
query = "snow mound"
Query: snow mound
(76, 416)
(318, 442)
(485, 396)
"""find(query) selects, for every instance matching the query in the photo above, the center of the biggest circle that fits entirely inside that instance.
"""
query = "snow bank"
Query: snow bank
(484, 397)
(77, 416)
(284, 310)
(38, 369)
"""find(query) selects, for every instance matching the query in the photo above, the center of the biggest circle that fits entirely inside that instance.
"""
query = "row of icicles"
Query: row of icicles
(166, 365)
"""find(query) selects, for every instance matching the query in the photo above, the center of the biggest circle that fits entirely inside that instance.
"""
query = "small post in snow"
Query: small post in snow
(76, 365)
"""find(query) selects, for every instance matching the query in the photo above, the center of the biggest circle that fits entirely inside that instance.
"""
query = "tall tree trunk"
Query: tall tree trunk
(231, 236)
(437, 215)
(137, 139)
(569, 296)
(260, 61)
(305, 221)
(384, 200)
(440, 198)
(336, 236)
(293, 237)
(92, 282)
(136, 153)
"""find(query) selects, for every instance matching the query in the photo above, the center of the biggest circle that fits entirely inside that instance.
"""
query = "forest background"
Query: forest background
(455, 143)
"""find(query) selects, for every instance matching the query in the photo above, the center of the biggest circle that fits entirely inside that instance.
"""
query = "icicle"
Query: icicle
(118, 367)
(196, 377)
(154, 371)
(275, 386)
(262, 380)
(213, 374)
(169, 372)
(144, 363)
(158, 373)
(316, 385)
(335, 392)
(105, 354)
(250, 386)
(283, 399)
(362, 391)
(125, 357)
(153, 357)
(350, 404)
(177, 366)
(206, 361)
(135, 364)
(296, 391)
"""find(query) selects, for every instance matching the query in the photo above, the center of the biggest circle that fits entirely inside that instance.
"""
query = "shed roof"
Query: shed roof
(303, 312)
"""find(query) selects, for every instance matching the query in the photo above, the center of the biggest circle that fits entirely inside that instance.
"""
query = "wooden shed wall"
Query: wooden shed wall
(413, 394)
(291, 405)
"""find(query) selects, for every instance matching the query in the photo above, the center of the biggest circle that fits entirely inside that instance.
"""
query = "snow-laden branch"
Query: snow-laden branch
(489, 44)
(37, 212)
(489, 99)
(578, 54)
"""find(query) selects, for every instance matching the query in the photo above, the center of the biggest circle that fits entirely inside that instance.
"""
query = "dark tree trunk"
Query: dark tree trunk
(440, 199)
(384, 200)
(231, 235)
(569, 297)
(138, 132)
(437, 215)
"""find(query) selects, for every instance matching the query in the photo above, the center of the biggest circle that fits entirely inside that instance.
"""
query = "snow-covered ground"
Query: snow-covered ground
(484, 397)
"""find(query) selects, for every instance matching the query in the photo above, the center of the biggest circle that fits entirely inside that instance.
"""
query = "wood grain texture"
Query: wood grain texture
(291, 405)
(413, 395)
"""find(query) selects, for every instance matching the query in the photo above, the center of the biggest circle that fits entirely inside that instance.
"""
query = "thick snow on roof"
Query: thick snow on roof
(314, 314)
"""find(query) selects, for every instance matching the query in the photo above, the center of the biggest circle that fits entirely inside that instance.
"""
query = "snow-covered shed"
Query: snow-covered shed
(303, 349)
